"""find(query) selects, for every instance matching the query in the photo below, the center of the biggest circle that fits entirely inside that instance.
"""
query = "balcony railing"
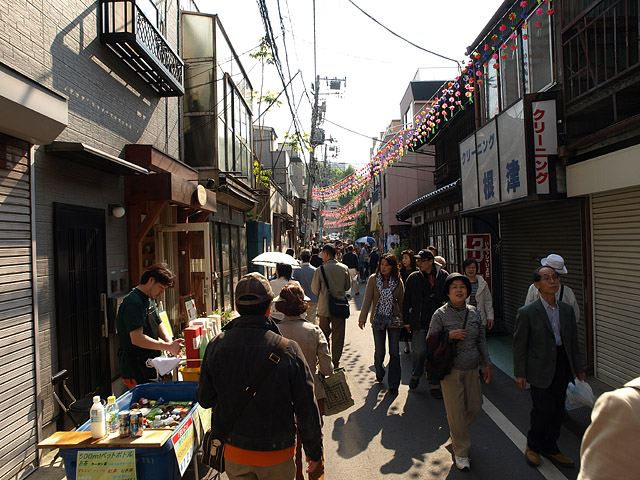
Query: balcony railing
(132, 37)
(600, 47)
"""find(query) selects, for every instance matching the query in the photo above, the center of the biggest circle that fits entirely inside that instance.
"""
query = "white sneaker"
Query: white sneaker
(463, 463)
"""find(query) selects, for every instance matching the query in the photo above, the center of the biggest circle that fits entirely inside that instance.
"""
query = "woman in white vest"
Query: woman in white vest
(480, 296)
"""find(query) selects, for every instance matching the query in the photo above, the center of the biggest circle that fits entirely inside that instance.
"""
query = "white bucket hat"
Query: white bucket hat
(556, 262)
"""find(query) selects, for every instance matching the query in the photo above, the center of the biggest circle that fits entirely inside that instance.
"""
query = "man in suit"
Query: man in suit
(545, 354)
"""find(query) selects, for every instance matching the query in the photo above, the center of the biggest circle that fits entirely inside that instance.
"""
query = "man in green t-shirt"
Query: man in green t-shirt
(140, 331)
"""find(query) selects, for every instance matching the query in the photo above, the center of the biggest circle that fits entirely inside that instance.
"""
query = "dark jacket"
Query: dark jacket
(267, 423)
(534, 345)
(374, 258)
(415, 289)
(350, 259)
(316, 260)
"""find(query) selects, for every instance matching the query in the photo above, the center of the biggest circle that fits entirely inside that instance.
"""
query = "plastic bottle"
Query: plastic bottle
(98, 419)
(204, 341)
(113, 424)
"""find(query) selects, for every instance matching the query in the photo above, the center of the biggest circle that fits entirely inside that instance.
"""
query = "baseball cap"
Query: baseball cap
(424, 255)
(253, 289)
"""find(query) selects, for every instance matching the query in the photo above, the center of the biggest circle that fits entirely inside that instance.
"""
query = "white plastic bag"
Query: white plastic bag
(580, 393)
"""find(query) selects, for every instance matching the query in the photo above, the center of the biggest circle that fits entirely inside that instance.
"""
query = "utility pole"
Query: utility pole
(317, 138)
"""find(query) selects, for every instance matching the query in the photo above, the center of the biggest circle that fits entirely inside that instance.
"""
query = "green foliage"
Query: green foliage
(297, 141)
(263, 52)
(360, 229)
(262, 175)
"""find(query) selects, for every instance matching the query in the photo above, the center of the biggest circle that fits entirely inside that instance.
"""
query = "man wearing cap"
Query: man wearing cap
(546, 354)
(423, 295)
(339, 282)
(564, 293)
(261, 442)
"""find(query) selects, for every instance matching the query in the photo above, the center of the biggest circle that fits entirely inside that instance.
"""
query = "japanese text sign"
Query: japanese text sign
(469, 172)
(487, 154)
(513, 164)
(106, 465)
(183, 440)
(545, 141)
(478, 247)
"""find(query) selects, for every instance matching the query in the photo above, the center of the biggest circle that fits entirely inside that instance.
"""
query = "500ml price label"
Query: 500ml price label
(182, 441)
(106, 465)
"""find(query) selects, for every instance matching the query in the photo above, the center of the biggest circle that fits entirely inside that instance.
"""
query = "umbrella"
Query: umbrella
(366, 239)
(269, 259)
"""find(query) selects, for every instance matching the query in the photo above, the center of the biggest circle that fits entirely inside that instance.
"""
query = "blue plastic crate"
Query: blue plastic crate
(151, 463)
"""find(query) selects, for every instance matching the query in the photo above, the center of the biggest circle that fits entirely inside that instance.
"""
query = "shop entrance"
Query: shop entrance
(187, 249)
(80, 280)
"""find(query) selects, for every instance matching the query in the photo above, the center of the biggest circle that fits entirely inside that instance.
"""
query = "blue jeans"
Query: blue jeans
(379, 339)
(419, 342)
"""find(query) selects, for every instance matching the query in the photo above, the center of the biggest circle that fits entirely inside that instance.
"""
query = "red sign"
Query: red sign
(478, 247)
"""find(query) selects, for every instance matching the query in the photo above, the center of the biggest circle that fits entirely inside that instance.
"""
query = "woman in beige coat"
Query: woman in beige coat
(292, 303)
(385, 292)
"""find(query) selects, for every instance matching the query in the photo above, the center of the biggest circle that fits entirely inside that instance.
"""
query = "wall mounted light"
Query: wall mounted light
(116, 210)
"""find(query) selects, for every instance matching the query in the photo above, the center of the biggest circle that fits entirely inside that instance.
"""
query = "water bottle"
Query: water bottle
(113, 424)
(98, 419)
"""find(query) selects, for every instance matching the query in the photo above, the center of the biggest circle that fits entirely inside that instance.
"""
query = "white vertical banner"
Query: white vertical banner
(487, 154)
(469, 172)
(513, 164)
(545, 140)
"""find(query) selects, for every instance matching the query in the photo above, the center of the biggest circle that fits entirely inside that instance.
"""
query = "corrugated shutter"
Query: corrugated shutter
(17, 337)
(531, 233)
(616, 263)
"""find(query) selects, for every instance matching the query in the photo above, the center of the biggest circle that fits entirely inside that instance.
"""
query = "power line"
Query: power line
(404, 39)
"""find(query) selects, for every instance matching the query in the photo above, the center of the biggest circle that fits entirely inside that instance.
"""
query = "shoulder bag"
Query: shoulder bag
(337, 392)
(338, 307)
(440, 353)
(213, 444)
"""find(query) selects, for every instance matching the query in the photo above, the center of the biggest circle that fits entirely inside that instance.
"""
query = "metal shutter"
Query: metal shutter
(531, 233)
(17, 337)
(616, 276)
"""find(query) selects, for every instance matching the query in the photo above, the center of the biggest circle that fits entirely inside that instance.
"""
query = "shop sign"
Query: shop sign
(106, 465)
(183, 440)
(513, 164)
(488, 174)
(469, 172)
(545, 140)
(478, 247)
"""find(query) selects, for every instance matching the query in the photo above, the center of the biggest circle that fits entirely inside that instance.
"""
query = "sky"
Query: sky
(377, 65)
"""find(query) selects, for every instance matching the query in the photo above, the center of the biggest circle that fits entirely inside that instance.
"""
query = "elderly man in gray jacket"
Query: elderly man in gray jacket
(339, 282)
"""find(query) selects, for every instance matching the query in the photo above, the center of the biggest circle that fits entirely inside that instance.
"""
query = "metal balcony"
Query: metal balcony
(128, 32)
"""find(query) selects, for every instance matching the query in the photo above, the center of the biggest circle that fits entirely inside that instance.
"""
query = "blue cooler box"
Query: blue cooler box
(151, 463)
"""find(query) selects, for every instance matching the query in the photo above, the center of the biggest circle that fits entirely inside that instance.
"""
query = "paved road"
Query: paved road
(387, 437)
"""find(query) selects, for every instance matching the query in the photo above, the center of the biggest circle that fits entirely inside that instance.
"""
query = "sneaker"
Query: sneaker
(413, 383)
(463, 463)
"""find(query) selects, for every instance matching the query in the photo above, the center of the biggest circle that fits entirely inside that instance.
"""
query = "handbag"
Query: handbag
(440, 353)
(338, 307)
(213, 444)
(337, 392)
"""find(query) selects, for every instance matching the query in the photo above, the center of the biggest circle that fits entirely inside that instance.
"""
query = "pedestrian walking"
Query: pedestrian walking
(461, 388)
(564, 293)
(316, 260)
(610, 444)
(479, 296)
(261, 443)
(408, 267)
(374, 258)
(337, 276)
(545, 354)
(292, 303)
(350, 259)
(364, 263)
(383, 297)
(304, 275)
(423, 295)
(284, 272)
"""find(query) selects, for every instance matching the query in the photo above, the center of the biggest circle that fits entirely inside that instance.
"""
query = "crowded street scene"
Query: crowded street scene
(272, 240)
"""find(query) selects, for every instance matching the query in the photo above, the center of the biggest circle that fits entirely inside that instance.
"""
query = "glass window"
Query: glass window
(198, 36)
(222, 146)
(149, 10)
(537, 61)
(198, 81)
(226, 252)
(199, 141)
(228, 292)
(509, 72)
(236, 252)
(491, 94)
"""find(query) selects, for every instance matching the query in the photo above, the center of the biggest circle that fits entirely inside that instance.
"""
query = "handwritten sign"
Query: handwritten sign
(106, 465)
(182, 441)
(478, 247)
